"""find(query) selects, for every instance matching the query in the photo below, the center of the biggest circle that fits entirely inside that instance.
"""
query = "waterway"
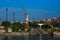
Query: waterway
(31, 37)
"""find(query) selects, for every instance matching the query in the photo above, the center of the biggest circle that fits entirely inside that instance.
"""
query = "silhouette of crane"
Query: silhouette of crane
(26, 20)
(6, 14)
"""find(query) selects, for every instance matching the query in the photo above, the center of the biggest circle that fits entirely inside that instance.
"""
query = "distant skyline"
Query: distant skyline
(36, 9)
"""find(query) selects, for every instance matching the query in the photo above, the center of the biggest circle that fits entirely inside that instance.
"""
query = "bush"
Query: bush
(55, 30)
(45, 26)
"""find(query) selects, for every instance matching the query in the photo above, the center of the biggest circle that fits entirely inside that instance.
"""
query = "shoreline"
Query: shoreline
(24, 34)
(56, 33)
(15, 34)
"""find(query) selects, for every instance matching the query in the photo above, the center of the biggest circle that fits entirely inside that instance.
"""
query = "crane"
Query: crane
(26, 24)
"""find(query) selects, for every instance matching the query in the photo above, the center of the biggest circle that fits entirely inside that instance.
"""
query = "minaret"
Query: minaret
(26, 22)
(26, 17)
(6, 14)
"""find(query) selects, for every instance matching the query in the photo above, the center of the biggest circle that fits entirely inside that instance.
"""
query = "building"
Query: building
(26, 22)
(2, 29)
(9, 29)
(40, 24)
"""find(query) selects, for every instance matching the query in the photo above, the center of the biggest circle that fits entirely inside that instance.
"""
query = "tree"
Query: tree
(17, 26)
(33, 25)
(53, 23)
(6, 24)
(45, 26)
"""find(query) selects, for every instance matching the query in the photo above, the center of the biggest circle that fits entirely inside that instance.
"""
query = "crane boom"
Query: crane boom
(26, 20)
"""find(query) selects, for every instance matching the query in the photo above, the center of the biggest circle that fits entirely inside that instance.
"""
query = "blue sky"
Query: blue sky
(36, 9)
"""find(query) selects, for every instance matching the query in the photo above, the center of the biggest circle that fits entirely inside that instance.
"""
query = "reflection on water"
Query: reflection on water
(5, 37)
(34, 37)
(41, 37)
(17, 38)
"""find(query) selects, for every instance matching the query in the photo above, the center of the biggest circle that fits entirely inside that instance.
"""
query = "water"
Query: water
(34, 37)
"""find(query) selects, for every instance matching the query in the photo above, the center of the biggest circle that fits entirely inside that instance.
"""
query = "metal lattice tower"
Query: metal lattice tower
(6, 14)
(13, 16)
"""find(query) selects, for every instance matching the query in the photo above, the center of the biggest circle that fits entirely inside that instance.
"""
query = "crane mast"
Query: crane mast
(26, 24)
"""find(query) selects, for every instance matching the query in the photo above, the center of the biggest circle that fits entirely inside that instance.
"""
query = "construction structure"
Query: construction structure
(6, 14)
(13, 17)
(26, 22)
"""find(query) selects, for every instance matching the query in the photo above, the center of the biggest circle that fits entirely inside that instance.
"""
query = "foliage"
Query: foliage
(45, 26)
(53, 23)
(29, 29)
(6, 24)
(33, 25)
(17, 26)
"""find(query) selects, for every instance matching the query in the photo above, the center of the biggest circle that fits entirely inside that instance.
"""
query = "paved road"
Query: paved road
(38, 31)
(42, 31)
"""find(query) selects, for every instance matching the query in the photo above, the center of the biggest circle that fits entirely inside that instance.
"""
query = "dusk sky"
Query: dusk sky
(36, 9)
